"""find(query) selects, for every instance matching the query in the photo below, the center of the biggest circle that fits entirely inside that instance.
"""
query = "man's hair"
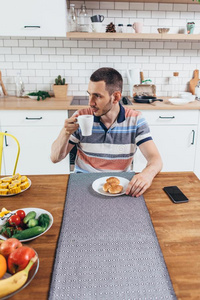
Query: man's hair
(111, 77)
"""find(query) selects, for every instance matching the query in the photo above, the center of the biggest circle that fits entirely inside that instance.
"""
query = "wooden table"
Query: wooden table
(177, 227)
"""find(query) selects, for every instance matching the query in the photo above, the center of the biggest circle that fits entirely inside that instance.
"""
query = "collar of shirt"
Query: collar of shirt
(120, 117)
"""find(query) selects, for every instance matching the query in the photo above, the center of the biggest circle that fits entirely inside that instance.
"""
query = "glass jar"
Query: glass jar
(120, 28)
(83, 19)
(72, 18)
(174, 85)
(19, 84)
(129, 28)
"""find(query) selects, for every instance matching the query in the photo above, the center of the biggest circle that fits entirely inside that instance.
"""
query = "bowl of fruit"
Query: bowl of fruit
(18, 266)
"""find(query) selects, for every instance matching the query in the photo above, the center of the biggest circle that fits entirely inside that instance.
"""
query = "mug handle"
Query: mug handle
(101, 18)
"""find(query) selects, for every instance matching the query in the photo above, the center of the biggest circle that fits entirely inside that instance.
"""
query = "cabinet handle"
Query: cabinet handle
(36, 26)
(27, 118)
(6, 144)
(193, 136)
(160, 117)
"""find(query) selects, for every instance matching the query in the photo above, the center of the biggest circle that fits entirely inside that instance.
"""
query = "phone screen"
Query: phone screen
(175, 194)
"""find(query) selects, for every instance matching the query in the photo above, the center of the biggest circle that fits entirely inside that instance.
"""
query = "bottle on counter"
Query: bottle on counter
(19, 91)
(174, 85)
(83, 19)
(72, 18)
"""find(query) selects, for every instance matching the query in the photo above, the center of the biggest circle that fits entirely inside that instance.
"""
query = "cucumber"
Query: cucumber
(28, 233)
(32, 223)
(29, 216)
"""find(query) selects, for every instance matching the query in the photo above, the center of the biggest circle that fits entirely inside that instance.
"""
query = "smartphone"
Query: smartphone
(175, 194)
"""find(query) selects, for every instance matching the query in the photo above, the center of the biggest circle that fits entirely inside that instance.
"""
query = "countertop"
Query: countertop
(176, 225)
(14, 103)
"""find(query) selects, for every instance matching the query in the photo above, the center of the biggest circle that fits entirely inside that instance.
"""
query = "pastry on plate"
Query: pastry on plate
(115, 189)
(113, 180)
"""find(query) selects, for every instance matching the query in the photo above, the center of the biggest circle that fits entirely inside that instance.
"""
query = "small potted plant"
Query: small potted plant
(60, 88)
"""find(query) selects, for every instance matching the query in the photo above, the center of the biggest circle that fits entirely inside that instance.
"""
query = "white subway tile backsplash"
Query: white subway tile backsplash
(17, 50)
(107, 5)
(55, 43)
(72, 58)
(40, 43)
(114, 13)
(136, 6)
(11, 43)
(5, 50)
(180, 7)
(166, 6)
(151, 6)
(12, 57)
(60, 51)
(19, 65)
(32, 50)
(122, 5)
(26, 43)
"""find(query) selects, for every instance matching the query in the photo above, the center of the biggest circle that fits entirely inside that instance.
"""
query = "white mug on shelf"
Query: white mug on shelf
(137, 26)
(96, 27)
(86, 123)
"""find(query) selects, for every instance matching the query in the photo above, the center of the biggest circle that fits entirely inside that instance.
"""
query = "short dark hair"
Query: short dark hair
(111, 77)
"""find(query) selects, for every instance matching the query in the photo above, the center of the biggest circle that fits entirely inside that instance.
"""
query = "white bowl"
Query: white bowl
(185, 94)
(180, 101)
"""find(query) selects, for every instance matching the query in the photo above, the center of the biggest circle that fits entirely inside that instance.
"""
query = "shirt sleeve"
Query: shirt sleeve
(142, 130)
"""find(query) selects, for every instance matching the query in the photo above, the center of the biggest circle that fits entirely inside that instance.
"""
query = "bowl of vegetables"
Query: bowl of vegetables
(25, 224)
(38, 95)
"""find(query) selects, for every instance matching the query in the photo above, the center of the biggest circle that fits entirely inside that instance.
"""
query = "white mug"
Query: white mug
(86, 123)
(137, 26)
(96, 26)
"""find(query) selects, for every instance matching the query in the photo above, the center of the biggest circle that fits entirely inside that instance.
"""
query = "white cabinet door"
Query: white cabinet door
(33, 18)
(35, 148)
(176, 145)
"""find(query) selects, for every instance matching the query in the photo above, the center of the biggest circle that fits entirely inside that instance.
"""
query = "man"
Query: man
(117, 131)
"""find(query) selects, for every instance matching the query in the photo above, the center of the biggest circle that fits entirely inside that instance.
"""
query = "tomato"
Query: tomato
(14, 220)
(21, 213)
(19, 259)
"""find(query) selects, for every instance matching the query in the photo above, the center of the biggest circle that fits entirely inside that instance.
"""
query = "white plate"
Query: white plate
(38, 211)
(97, 186)
(31, 275)
(33, 97)
(180, 101)
(8, 195)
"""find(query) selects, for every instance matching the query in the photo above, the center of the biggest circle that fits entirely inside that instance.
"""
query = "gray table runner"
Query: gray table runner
(107, 249)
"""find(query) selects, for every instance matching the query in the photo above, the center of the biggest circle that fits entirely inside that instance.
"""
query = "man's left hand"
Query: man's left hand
(139, 184)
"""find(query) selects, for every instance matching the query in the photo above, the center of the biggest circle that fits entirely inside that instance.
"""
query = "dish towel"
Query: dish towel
(107, 249)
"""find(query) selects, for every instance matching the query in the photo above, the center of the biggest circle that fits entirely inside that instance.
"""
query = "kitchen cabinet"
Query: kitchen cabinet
(175, 135)
(35, 131)
(33, 18)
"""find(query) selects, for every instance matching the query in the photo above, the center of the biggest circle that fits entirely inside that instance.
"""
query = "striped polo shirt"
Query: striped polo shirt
(110, 149)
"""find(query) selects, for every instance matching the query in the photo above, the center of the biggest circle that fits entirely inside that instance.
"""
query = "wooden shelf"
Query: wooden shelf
(132, 36)
(153, 1)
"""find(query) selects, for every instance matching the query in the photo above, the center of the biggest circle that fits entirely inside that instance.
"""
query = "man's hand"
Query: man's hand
(70, 125)
(139, 184)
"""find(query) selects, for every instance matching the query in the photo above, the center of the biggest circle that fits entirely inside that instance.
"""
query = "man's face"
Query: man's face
(99, 99)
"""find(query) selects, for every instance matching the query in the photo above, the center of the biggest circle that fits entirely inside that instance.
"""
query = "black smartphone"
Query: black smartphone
(175, 194)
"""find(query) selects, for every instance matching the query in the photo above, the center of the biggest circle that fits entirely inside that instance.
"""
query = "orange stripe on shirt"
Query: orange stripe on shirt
(105, 164)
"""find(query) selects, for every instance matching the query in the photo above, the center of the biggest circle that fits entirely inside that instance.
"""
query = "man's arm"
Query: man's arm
(61, 146)
(142, 181)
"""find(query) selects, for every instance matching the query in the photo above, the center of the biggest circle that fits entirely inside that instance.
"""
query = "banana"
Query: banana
(16, 281)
